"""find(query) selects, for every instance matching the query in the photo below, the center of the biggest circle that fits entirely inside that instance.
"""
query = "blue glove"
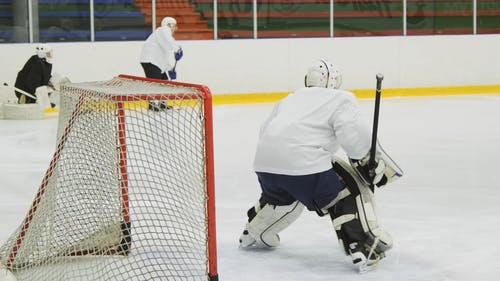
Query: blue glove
(179, 54)
(172, 74)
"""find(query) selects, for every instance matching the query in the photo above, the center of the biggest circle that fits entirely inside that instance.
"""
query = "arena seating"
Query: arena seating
(69, 20)
(310, 18)
(190, 22)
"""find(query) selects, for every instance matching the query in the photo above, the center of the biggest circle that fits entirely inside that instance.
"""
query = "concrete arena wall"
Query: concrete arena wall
(278, 65)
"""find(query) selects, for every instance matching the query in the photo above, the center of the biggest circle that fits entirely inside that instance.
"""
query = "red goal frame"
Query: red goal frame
(120, 100)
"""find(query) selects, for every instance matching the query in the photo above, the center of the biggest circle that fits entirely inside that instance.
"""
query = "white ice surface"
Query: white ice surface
(444, 214)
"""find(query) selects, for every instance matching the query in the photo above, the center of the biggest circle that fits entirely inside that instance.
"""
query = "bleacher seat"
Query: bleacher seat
(131, 19)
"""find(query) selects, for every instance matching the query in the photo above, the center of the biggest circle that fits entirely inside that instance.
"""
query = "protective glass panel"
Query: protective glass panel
(13, 24)
(488, 16)
(234, 18)
(194, 18)
(125, 20)
(62, 20)
(368, 18)
(439, 17)
(293, 18)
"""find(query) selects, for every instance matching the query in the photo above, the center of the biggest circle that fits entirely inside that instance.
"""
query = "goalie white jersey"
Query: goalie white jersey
(307, 127)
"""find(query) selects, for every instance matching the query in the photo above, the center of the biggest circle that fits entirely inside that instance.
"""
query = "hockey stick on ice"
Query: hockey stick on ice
(175, 65)
(372, 164)
(20, 91)
(173, 70)
(42, 98)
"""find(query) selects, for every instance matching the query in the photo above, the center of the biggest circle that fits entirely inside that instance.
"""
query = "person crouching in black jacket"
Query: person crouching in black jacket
(36, 72)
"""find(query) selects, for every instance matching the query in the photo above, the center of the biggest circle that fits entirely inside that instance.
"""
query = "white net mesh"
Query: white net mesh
(125, 196)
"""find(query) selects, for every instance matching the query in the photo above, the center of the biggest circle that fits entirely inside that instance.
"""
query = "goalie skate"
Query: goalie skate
(159, 106)
(362, 259)
(265, 221)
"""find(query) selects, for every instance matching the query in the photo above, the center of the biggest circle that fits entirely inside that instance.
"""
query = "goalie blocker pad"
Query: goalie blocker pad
(391, 170)
(355, 221)
(265, 221)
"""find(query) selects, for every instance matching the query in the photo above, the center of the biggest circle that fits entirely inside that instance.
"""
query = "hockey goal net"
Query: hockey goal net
(129, 192)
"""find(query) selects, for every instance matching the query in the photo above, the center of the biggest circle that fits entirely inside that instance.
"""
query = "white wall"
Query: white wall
(278, 65)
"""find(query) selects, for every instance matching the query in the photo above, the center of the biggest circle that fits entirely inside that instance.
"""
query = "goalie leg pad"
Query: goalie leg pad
(42, 97)
(265, 221)
(355, 221)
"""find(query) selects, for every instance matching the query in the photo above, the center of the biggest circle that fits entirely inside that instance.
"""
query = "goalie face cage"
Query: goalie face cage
(129, 193)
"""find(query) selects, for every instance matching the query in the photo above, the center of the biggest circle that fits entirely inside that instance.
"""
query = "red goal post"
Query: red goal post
(129, 193)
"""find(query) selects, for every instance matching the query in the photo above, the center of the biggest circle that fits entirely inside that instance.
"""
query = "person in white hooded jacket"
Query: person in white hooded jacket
(158, 50)
(158, 53)
(295, 166)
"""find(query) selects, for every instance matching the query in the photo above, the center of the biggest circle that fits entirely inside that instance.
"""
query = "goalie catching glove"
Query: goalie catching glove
(384, 172)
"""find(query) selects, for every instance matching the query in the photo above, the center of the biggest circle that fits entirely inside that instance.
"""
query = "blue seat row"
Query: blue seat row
(76, 1)
(80, 14)
(85, 34)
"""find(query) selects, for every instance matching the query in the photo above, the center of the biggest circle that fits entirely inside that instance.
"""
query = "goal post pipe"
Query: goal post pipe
(373, 148)
(209, 168)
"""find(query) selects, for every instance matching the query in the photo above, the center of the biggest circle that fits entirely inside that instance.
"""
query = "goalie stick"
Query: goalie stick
(20, 91)
(42, 98)
(373, 148)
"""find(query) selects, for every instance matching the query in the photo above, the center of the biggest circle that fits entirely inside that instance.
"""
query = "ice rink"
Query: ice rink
(444, 214)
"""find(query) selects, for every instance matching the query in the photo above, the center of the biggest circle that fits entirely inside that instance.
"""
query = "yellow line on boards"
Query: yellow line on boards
(430, 91)
(247, 98)
(219, 99)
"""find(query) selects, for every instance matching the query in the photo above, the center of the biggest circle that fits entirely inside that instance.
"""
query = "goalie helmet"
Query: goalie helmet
(44, 51)
(323, 74)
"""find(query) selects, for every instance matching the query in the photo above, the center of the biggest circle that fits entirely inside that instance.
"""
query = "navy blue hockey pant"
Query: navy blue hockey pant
(315, 191)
